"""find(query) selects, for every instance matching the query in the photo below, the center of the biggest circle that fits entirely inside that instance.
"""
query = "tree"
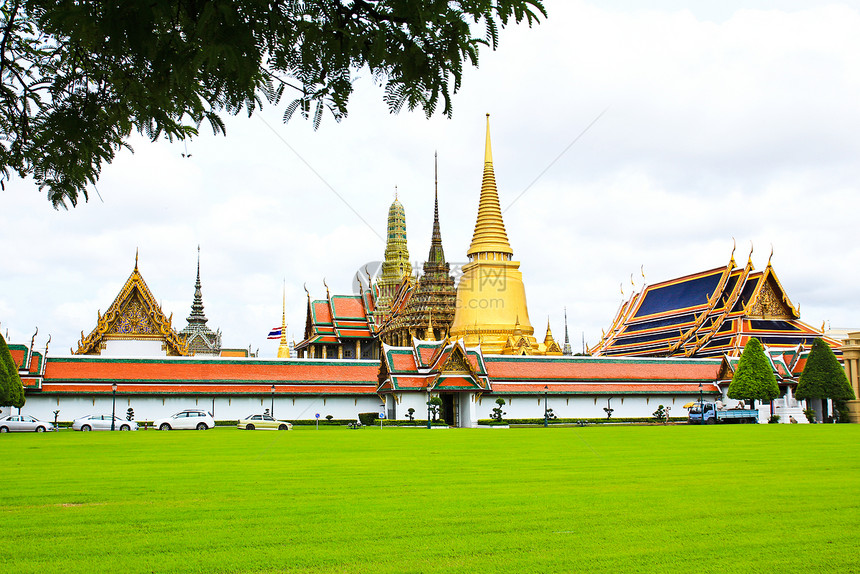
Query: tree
(410, 414)
(11, 387)
(754, 379)
(823, 377)
(78, 77)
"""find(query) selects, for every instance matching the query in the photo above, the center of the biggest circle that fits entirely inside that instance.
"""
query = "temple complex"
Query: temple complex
(708, 314)
(406, 339)
(134, 325)
(200, 339)
(491, 310)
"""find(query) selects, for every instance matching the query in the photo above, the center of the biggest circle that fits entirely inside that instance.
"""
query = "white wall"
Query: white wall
(225, 408)
(574, 407)
(143, 348)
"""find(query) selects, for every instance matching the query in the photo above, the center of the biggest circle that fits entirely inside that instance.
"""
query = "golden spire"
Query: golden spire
(283, 346)
(548, 340)
(490, 235)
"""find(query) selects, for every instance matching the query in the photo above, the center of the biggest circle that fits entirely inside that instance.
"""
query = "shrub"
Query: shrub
(773, 419)
(410, 414)
(497, 412)
(809, 414)
(660, 413)
(329, 417)
(368, 418)
(129, 414)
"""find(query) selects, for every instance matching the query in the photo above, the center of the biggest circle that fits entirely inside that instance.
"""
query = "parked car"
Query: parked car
(102, 422)
(187, 419)
(24, 423)
(266, 422)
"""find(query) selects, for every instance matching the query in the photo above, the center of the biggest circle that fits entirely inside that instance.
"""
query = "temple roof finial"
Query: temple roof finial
(136, 251)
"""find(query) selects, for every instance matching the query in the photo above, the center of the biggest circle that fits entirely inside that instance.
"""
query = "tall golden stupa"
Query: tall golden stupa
(491, 309)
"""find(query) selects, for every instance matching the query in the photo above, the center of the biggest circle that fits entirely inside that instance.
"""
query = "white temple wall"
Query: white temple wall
(147, 408)
(579, 406)
(137, 348)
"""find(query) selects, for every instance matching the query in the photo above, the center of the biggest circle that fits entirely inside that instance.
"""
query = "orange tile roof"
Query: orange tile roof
(206, 371)
(205, 389)
(403, 362)
(645, 388)
(322, 312)
(347, 306)
(589, 369)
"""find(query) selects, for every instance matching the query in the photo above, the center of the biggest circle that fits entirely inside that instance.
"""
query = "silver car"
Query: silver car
(24, 423)
(188, 419)
(102, 422)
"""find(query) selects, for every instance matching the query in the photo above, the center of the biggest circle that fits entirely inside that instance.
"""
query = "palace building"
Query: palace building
(708, 314)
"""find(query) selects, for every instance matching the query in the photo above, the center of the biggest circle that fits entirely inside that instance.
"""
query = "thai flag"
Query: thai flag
(275, 333)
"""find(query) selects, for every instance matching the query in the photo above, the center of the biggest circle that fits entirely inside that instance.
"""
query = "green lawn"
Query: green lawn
(743, 498)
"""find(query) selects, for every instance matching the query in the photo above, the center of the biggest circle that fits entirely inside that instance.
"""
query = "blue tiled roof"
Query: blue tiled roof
(685, 294)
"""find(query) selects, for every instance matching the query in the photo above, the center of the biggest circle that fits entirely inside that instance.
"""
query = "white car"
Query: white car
(188, 419)
(24, 423)
(102, 422)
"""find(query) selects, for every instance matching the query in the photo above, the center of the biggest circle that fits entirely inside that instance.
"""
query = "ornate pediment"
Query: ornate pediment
(771, 302)
(133, 315)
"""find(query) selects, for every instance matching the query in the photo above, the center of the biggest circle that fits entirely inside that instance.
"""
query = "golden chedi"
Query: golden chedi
(491, 308)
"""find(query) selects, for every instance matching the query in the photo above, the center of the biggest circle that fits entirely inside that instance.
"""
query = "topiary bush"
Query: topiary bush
(368, 418)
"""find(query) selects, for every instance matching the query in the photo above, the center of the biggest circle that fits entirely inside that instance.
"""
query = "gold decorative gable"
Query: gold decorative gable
(457, 362)
(771, 302)
(726, 371)
(133, 315)
(553, 348)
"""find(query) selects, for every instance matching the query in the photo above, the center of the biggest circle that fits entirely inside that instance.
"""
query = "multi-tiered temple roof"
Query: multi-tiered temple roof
(708, 314)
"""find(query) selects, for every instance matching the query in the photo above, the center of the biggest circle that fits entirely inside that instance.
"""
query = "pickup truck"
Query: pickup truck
(712, 415)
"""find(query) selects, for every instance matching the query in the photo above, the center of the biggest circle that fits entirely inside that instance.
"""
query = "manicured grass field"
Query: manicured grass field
(741, 498)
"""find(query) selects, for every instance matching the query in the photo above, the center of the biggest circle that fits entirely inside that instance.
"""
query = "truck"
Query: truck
(714, 415)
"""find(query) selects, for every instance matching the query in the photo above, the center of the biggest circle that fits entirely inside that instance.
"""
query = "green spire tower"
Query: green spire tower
(396, 265)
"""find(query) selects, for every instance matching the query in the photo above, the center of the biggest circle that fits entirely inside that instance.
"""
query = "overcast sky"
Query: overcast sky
(706, 123)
